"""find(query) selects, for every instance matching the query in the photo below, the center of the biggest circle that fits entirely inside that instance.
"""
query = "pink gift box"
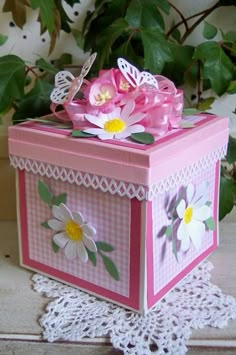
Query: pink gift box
(143, 201)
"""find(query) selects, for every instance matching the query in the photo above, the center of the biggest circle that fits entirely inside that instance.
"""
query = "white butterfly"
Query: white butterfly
(66, 85)
(134, 76)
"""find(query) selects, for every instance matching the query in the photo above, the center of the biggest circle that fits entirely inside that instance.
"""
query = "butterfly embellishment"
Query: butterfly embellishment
(66, 85)
(134, 76)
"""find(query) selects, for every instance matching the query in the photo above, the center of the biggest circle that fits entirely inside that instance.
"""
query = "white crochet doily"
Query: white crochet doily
(194, 303)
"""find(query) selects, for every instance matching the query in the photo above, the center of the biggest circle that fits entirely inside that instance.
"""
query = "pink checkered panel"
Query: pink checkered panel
(165, 266)
(110, 215)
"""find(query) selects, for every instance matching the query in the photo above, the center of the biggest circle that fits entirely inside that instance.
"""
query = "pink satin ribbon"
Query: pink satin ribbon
(163, 107)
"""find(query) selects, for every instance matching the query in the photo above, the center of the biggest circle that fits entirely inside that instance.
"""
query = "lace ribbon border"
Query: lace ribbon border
(114, 186)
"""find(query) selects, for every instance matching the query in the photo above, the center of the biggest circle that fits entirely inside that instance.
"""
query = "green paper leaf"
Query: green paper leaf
(169, 231)
(76, 133)
(45, 225)
(79, 38)
(110, 267)
(55, 247)
(210, 223)
(104, 246)
(216, 65)
(62, 198)
(189, 111)
(48, 67)
(174, 249)
(156, 50)
(12, 70)
(232, 87)
(143, 137)
(227, 196)
(208, 203)
(92, 257)
(44, 192)
(186, 124)
(46, 11)
(231, 152)
(209, 31)
(3, 39)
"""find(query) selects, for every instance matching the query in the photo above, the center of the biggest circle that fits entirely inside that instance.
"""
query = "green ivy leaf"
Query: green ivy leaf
(156, 50)
(209, 31)
(107, 38)
(48, 67)
(169, 231)
(210, 223)
(163, 5)
(35, 103)
(3, 39)
(143, 137)
(176, 34)
(110, 267)
(47, 12)
(104, 246)
(144, 14)
(55, 247)
(229, 36)
(62, 198)
(227, 196)
(17, 9)
(45, 225)
(76, 133)
(44, 192)
(64, 60)
(12, 70)
(79, 38)
(182, 58)
(217, 66)
(92, 257)
(231, 152)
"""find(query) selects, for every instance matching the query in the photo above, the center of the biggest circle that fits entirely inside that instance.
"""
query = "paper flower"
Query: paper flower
(193, 212)
(73, 233)
(119, 124)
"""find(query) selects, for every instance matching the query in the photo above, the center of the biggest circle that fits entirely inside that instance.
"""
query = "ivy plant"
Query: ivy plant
(140, 32)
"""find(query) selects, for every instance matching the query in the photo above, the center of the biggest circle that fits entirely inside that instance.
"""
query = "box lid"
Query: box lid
(123, 161)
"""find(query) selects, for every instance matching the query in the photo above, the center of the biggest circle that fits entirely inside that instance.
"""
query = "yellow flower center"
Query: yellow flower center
(124, 85)
(116, 125)
(74, 231)
(188, 213)
(103, 97)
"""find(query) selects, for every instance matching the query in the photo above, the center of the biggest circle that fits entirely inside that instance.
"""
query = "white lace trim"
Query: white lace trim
(193, 304)
(113, 186)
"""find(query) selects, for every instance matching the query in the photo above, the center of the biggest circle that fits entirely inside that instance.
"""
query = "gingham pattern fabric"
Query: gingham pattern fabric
(165, 265)
(110, 215)
(113, 186)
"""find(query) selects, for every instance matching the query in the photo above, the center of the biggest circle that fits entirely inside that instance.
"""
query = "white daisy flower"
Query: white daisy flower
(119, 123)
(73, 233)
(193, 213)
